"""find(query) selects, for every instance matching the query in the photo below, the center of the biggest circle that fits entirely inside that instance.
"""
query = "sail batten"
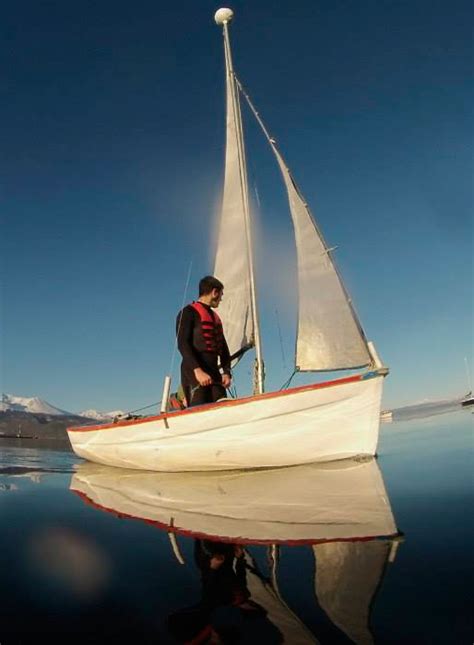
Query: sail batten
(329, 334)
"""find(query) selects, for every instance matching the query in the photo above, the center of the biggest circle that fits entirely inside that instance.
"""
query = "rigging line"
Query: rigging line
(287, 383)
(281, 340)
(152, 405)
(175, 345)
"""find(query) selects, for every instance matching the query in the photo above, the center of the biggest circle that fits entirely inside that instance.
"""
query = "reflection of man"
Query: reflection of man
(203, 346)
(223, 585)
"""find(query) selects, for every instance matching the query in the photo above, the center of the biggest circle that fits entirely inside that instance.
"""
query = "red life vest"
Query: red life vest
(209, 335)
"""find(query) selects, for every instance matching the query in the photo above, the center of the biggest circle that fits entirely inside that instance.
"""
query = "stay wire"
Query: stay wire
(287, 383)
(173, 356)
(281, 339)
(145, 407)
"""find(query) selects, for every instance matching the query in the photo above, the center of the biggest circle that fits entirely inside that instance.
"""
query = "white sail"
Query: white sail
(232, 257)
(329, 335)
(347, 577)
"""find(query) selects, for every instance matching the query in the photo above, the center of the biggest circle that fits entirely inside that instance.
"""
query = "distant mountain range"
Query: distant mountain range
(35, 405)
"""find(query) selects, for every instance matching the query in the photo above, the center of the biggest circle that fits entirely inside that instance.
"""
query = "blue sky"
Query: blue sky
(113, 145)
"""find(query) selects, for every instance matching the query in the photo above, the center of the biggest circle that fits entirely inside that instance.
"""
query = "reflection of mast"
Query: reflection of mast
(174, 544)
(348, 576)
(266, 594)
(273, 559)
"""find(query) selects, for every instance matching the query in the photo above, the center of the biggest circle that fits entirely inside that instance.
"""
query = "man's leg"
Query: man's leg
(217, 392)
(197, 394)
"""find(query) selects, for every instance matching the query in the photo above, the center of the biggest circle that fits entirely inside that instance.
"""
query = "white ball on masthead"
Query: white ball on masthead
(223, 15)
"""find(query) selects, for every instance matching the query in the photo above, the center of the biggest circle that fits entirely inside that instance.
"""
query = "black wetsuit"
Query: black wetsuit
(186, 322)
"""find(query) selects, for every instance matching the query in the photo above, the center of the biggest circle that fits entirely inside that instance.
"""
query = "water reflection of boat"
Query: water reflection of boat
(343, 500)
(339, 509)
(386, 416)
(467, 400)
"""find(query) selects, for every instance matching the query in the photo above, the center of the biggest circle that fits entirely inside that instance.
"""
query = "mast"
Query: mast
(223, 17)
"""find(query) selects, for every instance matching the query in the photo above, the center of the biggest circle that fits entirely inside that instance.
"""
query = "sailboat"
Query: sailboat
(338, 510)
(323, 421)
(468, 399)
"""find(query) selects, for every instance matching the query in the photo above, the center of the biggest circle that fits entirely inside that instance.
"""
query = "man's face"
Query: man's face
(216, 297)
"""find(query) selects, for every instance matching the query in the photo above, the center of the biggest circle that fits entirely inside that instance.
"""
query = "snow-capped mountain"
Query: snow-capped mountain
(29, 404)
(35, 405)
(101, 416)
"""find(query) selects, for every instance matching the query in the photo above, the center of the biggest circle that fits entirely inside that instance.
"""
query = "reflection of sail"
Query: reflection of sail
(347, 577)
(317, 502)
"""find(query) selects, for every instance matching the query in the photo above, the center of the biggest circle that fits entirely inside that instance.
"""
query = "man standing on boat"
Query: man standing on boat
(205, 369)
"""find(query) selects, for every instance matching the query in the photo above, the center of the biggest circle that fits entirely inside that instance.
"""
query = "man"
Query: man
(203, 346)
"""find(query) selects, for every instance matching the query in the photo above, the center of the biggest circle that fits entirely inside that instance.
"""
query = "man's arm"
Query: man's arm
(184, 335)
(225, 358)
(225, 364)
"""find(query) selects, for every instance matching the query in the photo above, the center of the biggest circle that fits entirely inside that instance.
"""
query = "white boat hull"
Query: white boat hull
(322, 422)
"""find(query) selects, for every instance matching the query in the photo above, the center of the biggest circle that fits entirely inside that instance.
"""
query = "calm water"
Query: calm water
(86, 556)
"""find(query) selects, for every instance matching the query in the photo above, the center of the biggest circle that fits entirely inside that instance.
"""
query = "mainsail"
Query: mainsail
(329, 335)
(232, 263)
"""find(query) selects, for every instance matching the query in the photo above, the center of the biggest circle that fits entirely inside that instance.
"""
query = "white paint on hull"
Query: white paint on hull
(301, 426)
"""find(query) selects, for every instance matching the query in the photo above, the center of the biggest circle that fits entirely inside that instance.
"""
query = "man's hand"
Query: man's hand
(226, 380)
(201, 377)
(216, 561)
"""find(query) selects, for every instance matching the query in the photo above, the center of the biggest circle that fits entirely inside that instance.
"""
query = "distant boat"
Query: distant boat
(467, 400)
(339, 510)
(386, 416)
(325, 421)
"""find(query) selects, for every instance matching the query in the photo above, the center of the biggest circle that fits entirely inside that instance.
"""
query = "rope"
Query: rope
(287, 383)
(145, 407)
(232, 391)
(233, 395)
(173, 355)
(281, 339)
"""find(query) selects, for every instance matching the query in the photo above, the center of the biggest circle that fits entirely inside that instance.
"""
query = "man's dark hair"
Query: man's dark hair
(208, 283)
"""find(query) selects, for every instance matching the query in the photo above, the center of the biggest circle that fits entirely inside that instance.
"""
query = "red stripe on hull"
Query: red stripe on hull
(169, 528)
(229, 402)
